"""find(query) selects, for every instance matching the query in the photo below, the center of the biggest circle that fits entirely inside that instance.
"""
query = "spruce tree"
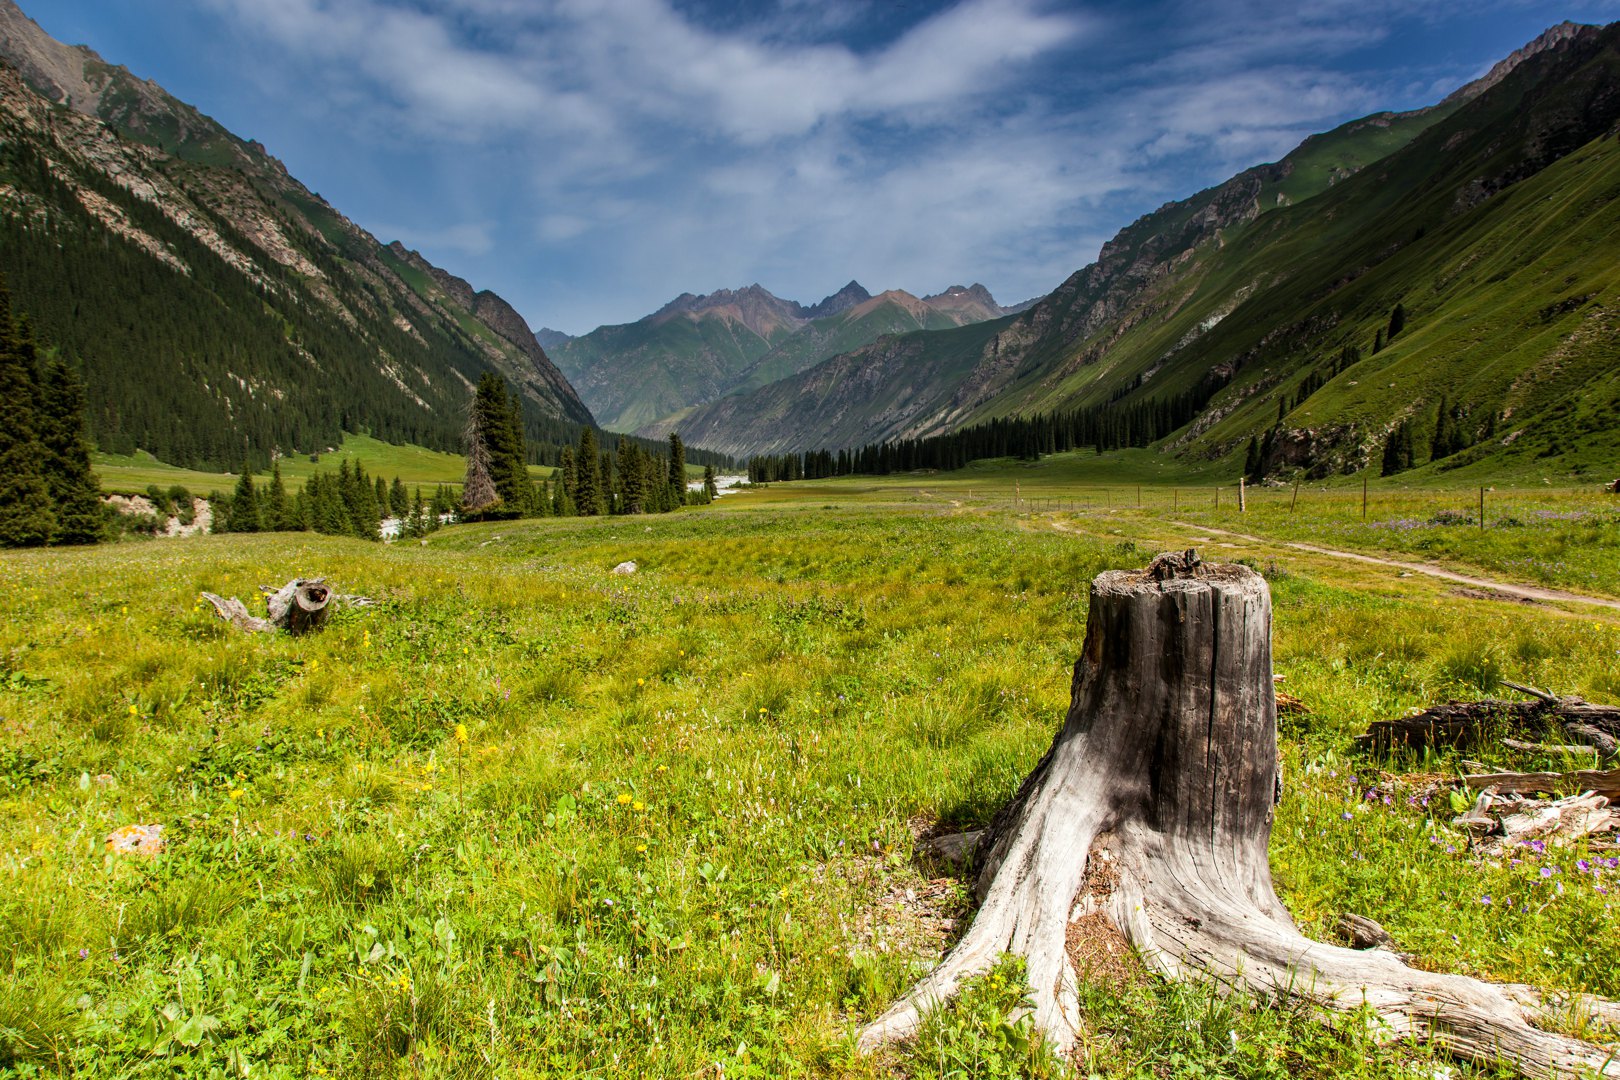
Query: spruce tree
(590, 497)
(711, 486)
(245, 515)
(73, 486)
(677, 467)
(478, 492)
(383, 498)
(26, 516)
(633, 483)
(399, 500)
(278, 512)
(1397, 322)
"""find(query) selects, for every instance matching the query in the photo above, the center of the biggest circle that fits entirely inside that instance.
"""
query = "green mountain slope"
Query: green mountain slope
(647, 375)
(1487, 218)
(219, 310)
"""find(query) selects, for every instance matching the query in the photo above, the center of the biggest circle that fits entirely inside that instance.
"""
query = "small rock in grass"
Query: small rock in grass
(625, 568)
(136, 840)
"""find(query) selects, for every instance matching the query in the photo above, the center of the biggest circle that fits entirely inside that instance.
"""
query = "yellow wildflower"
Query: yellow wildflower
(662, 768)
(640, 848)
(624, 800)
(133, 711)
(461, 733)
(237, 793)
(639, 805)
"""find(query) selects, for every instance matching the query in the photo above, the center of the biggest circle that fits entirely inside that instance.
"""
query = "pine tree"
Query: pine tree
(383, 499)
(1398, 450)
(1397, 322)
(26, 515)
(399, 500)
(245, 517)
(478, 492)
(711, 485)
(278, 512)
(590, 496)
(1378, 341)
(73, 486)
(677, 467)
(633, 479)
(1251, 460)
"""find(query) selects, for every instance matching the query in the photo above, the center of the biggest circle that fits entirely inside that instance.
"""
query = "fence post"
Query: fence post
(1482, 506)
(1243, 505)
(1295, 499)
(1363, 498)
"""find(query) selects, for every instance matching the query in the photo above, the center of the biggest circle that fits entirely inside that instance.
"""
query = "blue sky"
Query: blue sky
(590, 159)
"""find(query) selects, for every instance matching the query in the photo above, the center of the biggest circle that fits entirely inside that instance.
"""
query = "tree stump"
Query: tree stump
(1166, 768)
(298, 607)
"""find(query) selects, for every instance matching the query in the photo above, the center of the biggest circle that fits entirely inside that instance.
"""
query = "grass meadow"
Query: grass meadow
(529, 818)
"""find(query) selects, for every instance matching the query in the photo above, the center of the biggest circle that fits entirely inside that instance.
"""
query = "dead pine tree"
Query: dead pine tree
(478, 489)
(1162, 782)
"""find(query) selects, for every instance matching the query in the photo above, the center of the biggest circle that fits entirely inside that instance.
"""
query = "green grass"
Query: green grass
(412, 464)
(679, 830)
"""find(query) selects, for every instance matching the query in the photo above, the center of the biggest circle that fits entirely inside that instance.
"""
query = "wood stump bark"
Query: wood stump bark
(1166, 769)
(298, 607)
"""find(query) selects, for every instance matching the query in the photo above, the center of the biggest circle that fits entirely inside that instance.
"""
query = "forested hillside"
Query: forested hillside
(218, 310)
(1489, 221)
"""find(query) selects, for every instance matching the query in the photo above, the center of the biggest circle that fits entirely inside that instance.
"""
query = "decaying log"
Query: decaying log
(298, 607)
(1164, 772)
(1523, 821)
(1470, 723)
(1606, 784)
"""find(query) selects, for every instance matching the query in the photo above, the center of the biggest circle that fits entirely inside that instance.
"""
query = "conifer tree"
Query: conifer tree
(399, 500)
(245, 517)
(384, 501)
(73, 486)
(677, 467)
(1397, 322)
(633, 478)
(478, 492)
(26, 515)
(278, 511)
(590, 497)
(711, 486)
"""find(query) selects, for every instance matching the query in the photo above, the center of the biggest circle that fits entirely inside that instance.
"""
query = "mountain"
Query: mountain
(646, 375)
(219, 310)
(1255, 307)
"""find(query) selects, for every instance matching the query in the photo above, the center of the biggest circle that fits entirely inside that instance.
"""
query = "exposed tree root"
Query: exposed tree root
(1167, 763)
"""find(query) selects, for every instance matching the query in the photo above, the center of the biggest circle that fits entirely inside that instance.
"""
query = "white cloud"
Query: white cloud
(644, 152)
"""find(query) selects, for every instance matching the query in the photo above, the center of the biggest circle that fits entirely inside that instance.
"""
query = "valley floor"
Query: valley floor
(527, 817)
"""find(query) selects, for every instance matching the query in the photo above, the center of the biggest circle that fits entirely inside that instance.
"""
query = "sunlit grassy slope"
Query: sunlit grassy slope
(412, 464)
(678, 833)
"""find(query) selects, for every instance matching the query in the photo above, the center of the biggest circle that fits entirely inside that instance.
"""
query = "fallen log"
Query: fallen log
(1472, 723)
(298, 607)
(1606, 784)
(1164, 772)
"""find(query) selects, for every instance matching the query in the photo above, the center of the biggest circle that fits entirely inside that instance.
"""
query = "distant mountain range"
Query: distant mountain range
(1452, 269)
(647, 374)
(221, 311)
(1430, 287)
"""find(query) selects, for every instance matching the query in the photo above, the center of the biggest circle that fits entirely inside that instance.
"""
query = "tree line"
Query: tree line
(1110, 426)
(629, 478)
(48, 493)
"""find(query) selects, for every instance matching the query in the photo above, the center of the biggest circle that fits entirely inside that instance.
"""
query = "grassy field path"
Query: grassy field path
(1535, 593)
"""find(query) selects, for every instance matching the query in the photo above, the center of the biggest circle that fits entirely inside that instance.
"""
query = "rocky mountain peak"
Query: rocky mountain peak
(964, 295)
(1554, 37)
(842, 300)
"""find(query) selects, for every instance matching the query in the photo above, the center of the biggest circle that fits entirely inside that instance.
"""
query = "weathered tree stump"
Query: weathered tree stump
(298, 607)
(1167, 762)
